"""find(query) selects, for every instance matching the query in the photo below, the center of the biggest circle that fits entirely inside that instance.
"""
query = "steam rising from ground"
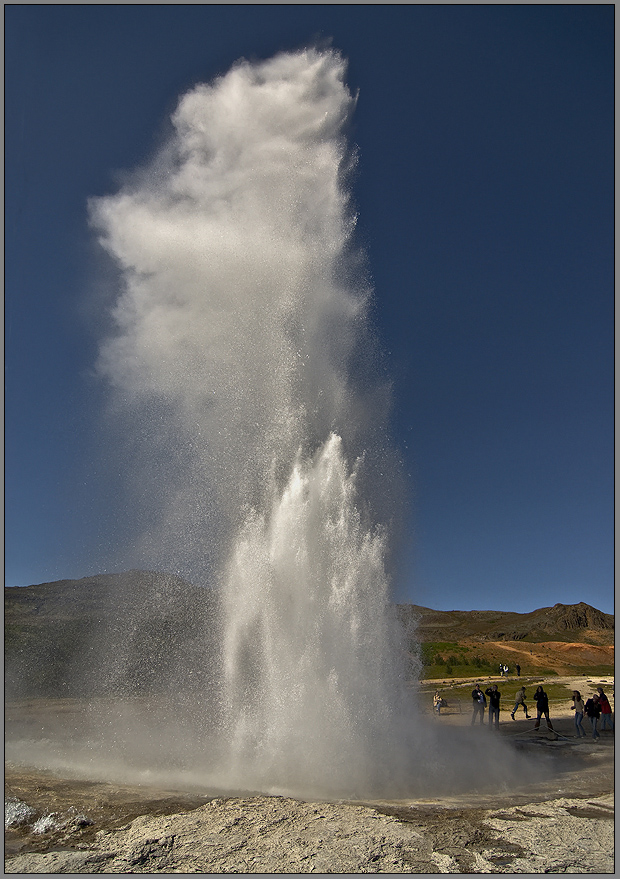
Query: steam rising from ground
(243, 367)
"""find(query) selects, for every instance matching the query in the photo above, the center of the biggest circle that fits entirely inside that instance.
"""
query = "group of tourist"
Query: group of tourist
(595, 708)
(480, 703)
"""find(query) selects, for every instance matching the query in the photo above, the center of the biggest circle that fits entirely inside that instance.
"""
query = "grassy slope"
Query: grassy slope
(562, 640)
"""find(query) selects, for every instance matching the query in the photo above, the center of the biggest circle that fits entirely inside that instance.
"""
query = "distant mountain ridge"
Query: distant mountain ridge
(141, 632)
(562, 622)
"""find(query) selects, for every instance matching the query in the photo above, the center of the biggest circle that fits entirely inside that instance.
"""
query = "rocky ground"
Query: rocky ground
(564, 824)
(280, 835)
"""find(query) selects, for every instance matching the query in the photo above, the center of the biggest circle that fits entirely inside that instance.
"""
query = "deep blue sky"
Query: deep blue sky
(486, 195)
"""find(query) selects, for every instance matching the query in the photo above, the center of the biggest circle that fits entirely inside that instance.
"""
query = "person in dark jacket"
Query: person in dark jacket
(542, 707)
(494, 696)
(593, 712)
(479, 701)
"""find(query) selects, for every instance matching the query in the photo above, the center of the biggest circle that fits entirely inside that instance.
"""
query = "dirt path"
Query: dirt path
(583, 683)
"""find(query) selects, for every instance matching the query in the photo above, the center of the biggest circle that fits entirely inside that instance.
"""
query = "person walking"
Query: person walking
(606, 717)
(518, 668)
(542, 707)
(479, 701)
(494, 697)
(520, 700)
(579, 708)
(437, 702)
(593, 712)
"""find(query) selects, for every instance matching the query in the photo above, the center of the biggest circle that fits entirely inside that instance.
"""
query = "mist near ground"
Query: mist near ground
(150, 743)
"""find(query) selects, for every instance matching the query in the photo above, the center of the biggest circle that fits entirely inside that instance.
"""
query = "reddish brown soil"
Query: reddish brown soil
(563, 657)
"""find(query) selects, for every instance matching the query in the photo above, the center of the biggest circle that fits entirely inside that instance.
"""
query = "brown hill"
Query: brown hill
(136, 632)
(563, 639)
(562, 622)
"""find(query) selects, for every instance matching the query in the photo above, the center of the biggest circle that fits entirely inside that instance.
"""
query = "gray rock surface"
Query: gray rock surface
(280, 835)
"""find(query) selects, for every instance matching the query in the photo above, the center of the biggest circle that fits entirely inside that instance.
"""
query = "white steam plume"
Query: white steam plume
(243, 301)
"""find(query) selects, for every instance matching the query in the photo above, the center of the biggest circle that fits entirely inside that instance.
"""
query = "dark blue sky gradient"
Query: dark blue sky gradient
(485, 193)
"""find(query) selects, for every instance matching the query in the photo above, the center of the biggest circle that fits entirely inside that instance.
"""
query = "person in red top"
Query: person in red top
(606, 717)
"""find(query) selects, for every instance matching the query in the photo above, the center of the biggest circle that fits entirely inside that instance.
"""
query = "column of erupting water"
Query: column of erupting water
(310, 663)
(242, 313)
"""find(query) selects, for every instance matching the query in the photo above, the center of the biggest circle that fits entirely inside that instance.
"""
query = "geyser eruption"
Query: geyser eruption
(244, 303)
(311, 664)
(241, 352)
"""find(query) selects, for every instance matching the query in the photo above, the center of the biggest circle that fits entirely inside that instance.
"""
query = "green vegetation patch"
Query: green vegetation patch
(448, 658)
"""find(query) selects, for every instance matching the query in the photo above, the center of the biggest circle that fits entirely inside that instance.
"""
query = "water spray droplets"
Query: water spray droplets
(307, 582)
(242, 311)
